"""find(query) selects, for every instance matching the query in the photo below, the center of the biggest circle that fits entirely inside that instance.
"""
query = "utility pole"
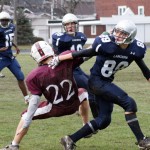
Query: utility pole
(52, 10)
(2, 5)
(15, 21)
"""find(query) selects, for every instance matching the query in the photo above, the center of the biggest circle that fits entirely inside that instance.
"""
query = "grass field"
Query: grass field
(45, 134)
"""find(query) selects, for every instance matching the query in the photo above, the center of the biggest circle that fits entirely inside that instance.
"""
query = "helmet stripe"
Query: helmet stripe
(39, 49)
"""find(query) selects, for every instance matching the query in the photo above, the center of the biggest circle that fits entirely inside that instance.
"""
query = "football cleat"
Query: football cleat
(11, 147)
(67, 143)
(1, 75)
(144, 144)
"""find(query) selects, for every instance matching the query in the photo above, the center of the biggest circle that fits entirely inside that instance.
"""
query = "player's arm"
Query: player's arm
(82, 53)
(16, 48)
(145, 70)
(2, 49)
(32, 107)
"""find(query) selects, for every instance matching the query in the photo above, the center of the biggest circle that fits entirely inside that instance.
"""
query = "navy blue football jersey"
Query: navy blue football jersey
(2, 39)
(112, 58)
(63, 41)
(7, 35)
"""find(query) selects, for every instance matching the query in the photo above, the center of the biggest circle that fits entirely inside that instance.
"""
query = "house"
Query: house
(44, 26)
(95, 16)
(108, 13)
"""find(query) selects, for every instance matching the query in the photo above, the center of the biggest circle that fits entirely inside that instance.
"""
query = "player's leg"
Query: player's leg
(17, 138)
(101, 122)
(84, 111)
(4, 62)
(23, 88)
(19, 133)
(82, 82)
(15, 68)
(43, 111)
(114, 94)
(84, 105)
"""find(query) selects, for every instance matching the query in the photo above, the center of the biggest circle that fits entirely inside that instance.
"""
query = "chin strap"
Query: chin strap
(71, 33)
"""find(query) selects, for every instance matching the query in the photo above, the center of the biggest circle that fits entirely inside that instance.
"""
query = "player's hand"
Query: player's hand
(3, 49)
(54, 62)
(17, 50)
(27, 99)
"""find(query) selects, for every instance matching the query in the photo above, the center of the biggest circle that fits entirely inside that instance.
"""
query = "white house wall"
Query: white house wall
(41, 28)
(140, 32)
(147, 32)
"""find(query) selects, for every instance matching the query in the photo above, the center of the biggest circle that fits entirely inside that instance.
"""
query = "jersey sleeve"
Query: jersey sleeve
(82, 37)
(76, 61)
(138, 49)
(32, 84)
(104, 44)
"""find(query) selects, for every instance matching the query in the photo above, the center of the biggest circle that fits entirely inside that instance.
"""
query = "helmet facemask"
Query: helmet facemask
(120, 34)
(5, 19)
(73, 25)
(125, 30)
(68, 21)
(4, 23)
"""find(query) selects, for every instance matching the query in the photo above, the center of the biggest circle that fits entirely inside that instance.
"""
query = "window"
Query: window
(140, 10)
(93, 29)
(121, 10)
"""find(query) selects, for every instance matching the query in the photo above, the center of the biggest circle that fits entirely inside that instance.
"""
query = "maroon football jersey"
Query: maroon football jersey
(57, 85)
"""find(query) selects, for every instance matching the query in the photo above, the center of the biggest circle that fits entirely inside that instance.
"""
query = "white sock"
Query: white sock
(14, 143)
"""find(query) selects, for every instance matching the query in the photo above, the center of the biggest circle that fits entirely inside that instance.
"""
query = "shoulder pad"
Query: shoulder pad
(139, 48)
(81, 35)
(57, 35)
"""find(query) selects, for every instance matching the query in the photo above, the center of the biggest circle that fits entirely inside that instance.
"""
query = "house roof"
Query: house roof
(84, 9)
(137, 19)
(129, 12)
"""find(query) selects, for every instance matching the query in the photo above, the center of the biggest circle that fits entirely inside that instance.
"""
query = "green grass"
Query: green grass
(45, 134)
(23, 47)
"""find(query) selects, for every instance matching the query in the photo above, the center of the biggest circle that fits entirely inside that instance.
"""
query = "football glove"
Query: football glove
(54, 62)
(26, 99)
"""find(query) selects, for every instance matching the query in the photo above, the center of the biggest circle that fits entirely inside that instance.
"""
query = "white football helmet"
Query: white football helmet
(5, 19)
(128, 30)
(41, 50)
(68, 18)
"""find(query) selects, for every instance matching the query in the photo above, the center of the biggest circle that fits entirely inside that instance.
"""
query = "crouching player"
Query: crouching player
(58, 87)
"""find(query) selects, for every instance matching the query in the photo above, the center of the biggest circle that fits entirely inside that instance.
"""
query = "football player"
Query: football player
(113, 53)
(72, 39)
(59, 88)
(6, 55)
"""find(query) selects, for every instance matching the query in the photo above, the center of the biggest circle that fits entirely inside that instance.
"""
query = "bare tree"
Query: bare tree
(2, 3)
(70, 6)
